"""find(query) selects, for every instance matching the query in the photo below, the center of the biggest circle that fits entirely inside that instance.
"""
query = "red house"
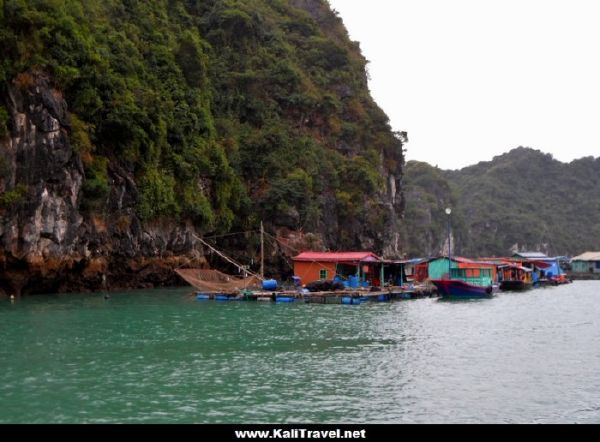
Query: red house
(315, 266)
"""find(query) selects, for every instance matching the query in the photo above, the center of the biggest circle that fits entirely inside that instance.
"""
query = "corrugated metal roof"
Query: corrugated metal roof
(534, 255)
(337, 256)
(412, 261)
(462, 260)
(514, 266)
(497, 261)
(587, 256)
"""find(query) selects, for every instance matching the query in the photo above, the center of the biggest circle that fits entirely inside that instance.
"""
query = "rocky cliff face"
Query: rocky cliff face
(46, 243)
(134, 131)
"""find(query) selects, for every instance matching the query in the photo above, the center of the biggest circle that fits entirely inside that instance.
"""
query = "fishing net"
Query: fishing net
(207, 280)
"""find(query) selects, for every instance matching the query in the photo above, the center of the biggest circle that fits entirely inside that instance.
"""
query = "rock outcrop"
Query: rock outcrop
(46, 243)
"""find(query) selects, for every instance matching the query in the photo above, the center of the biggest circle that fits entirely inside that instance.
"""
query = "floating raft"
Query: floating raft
(354, 297)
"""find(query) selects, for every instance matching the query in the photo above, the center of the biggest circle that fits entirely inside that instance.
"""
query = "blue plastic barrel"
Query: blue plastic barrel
(280, 299)
(270, 284)
(202, 297)
(353, 282)
(346, 300)
(382, 298)
(221, 297)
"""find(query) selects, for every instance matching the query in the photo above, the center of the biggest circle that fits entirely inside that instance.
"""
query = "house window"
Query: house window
(323, 274)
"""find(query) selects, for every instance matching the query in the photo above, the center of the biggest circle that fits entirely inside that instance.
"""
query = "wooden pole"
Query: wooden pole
(226, 258)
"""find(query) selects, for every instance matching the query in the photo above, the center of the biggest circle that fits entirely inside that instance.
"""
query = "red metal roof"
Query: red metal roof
(337, 256)
(542, 264)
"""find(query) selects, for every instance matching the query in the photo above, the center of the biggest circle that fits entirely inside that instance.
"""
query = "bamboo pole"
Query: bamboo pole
(228, 259)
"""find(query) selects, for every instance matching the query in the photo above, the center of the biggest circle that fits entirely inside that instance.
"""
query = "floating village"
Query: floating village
(357, 277)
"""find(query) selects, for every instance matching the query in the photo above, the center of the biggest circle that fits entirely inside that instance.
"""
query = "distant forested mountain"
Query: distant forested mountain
(523, 200)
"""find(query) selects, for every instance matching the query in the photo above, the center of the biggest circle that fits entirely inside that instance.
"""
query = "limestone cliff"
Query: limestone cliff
(129, 128)
(47, 245)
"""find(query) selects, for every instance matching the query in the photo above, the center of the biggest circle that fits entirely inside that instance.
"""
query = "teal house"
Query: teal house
(437, 268)
(588, 262)
(466, 269)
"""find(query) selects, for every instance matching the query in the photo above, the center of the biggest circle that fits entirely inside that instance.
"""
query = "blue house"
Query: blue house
(543, 266)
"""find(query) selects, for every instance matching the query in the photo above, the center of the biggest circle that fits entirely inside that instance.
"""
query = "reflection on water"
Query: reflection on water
(160, 356)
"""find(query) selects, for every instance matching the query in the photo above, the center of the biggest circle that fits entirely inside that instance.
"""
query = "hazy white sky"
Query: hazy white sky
(471, 79)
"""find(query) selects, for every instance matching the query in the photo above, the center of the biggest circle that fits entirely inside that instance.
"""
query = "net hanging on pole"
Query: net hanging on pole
(208, 280)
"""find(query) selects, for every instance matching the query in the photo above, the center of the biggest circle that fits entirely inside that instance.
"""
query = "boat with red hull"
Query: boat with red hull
(455, 288)
(466, 283)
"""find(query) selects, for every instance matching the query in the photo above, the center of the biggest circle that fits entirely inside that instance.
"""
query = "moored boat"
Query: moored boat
(515, 285)
(514, 277)
(466, 283)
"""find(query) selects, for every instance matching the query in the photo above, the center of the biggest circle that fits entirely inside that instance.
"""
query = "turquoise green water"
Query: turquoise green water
(160, 356)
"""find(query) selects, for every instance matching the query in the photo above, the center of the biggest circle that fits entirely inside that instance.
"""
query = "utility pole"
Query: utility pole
(262, 251)
(448, 212)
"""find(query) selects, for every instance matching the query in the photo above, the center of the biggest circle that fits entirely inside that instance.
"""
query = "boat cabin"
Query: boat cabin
(438, 267)
(481, 276)
(514, 272)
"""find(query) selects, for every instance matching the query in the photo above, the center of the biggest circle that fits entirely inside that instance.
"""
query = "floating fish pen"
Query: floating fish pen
(349, 286)
(345, 297)
(218, 297)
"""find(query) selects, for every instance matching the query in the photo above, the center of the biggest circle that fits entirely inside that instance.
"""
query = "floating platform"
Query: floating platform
(346, 297)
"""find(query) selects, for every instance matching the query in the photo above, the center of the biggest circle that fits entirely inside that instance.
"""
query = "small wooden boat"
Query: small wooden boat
(466, 283)
(514, 277)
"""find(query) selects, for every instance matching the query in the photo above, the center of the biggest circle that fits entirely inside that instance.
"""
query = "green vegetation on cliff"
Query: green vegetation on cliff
(223, 111)
(523, 199)
(3, 122)
(428, 193)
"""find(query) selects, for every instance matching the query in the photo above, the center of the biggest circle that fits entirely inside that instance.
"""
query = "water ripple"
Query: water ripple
(159, 356)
